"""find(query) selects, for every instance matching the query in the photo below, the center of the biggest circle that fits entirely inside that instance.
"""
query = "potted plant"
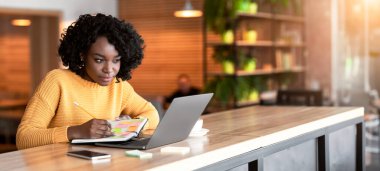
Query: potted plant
(256, 85)
(253, 7)
(247, 62)
(223, 88)
(243, 89)
(220, 16)
(248, 6)
(227, 88)
(224, 56)
(250, 35)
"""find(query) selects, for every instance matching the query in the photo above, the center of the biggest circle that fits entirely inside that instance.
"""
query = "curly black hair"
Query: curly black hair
(79, 36)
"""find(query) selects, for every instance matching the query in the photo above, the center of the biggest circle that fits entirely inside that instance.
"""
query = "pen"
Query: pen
(84, 110)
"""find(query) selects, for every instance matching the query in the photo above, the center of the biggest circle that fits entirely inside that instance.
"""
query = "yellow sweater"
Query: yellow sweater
(51, 110)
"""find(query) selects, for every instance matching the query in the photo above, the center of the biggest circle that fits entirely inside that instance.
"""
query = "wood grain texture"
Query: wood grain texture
(27, 53)
(231, 133)
(173, 45)
(14, 58)
(29, 12)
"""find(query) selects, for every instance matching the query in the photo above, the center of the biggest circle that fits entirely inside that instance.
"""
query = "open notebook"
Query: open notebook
(123, 130)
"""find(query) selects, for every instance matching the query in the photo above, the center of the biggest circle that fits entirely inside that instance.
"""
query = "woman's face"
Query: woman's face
(102, 62)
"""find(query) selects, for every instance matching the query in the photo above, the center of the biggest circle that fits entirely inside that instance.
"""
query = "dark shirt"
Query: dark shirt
(178, 93)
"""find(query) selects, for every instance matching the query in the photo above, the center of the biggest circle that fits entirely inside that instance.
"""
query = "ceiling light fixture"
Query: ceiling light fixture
(188, 11)
(21, 22)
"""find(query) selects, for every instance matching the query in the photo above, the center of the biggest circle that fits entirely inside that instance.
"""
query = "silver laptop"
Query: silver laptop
(175, 125)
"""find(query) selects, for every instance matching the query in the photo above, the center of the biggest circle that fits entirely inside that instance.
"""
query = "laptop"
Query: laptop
(175, 125)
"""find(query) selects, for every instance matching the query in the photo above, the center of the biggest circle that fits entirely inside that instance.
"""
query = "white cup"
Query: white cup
(198, 126)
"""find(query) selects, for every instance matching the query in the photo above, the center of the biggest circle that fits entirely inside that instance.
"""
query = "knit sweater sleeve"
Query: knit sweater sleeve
(136, 106)
(33, 130)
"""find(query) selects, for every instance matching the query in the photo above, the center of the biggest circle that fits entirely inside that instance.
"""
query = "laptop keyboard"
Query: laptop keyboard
(137, 142)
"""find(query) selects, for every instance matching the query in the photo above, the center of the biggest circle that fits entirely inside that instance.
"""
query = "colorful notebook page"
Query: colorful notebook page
(125, 127)
(122, 135)
(123, 130)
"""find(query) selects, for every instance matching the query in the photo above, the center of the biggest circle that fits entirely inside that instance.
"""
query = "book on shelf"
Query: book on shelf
(285, 60)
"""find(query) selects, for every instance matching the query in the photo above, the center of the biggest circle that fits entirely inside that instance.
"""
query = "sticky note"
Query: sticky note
(116, 130)
(139, 154)
(132, 128)
(175, 150)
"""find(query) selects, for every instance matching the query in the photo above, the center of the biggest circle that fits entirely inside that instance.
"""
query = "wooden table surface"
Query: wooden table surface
(231, 133)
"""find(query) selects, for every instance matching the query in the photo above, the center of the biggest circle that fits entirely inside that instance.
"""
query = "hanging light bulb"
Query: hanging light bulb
(21, 22)
(188, 11)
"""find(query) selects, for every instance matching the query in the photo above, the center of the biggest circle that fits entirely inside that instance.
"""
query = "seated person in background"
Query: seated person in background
(184, 88)
(100, 52)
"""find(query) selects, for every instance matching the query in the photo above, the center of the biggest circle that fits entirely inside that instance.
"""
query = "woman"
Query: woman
(100, 52)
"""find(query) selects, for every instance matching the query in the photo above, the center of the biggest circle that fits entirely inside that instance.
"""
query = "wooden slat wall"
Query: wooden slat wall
(173, 45)
(14, 58)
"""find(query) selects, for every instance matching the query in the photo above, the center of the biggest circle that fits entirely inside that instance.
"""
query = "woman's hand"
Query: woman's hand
(122, 117)
(94, 128)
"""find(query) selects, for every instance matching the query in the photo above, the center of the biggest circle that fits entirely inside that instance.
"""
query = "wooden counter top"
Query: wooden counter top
(231, 133)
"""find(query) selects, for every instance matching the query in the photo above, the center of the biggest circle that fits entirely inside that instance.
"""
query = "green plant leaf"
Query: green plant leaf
(222, 53)
(242, 88)
(284, 3)
(220, 14)
(223, 90)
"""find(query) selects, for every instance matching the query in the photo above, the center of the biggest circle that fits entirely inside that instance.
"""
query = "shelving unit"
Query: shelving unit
(278, 50)
(271, 16)
(258, 72)
(259, 43)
